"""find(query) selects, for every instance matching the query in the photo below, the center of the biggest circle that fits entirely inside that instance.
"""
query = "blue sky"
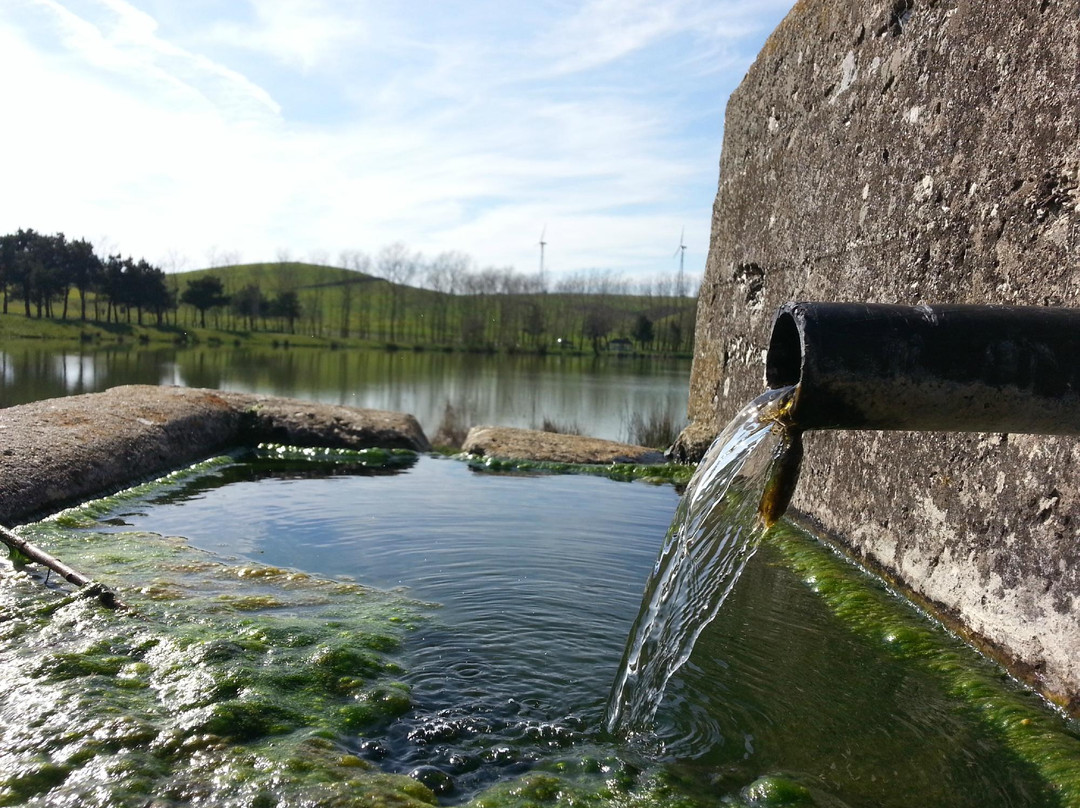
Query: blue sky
(187, 132)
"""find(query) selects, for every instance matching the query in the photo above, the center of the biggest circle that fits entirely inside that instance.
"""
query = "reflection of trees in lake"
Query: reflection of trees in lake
(595, 393)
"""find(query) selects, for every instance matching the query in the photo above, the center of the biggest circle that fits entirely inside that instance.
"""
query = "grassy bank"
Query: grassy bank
(16, 326)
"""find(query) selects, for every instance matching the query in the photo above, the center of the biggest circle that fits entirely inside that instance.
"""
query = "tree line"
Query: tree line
(400, 298)
(42, 270)
(396, 297)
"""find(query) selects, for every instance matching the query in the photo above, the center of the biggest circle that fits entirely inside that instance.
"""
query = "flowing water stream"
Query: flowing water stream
(713, 535)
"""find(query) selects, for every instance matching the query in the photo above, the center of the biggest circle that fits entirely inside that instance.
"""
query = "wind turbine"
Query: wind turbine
(681, 252)
(542, 245)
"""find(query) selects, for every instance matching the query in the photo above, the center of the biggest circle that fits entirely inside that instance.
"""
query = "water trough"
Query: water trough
(281, 628)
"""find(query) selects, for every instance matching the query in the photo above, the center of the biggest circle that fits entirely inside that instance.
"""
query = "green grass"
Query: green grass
(350, 308)
(339, 303)
(16, 326)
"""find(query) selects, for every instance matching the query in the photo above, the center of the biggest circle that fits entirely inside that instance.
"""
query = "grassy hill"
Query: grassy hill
(319, 305)
(336, 303)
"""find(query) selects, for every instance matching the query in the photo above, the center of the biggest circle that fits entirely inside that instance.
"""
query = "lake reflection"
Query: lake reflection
(597, 395)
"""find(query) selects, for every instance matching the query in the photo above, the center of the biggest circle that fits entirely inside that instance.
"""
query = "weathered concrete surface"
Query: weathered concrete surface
(308, 423)
(531, 444)
(58, 451)
(924, 152)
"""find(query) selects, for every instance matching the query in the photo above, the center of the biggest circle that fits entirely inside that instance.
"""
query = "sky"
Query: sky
(207, 131)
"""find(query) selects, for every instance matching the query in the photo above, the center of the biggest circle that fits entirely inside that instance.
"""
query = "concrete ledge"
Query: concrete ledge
(531, 444)
(59, 451)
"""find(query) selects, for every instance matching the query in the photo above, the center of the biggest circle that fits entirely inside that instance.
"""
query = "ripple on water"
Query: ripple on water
(243, 681)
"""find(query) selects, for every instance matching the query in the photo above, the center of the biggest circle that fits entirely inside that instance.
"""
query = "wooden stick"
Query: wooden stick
(35, 553)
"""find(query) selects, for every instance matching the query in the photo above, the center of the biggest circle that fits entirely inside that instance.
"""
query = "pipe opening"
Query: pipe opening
(783, 362)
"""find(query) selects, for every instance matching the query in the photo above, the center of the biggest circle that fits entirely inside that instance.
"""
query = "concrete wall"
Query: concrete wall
(914, 151)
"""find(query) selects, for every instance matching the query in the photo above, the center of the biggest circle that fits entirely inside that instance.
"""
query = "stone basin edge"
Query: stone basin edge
(59, 452)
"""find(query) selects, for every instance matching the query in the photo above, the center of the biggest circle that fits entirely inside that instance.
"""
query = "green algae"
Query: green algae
(592, 783)
(614, 784)
(1023, 722)
(367, 458)
(89, 513)
(269, 458)
(656, 474)
(225, 683)
(239, 684)
(773, 790)
(17, 557)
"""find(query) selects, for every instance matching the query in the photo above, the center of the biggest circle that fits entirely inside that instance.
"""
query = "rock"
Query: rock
(281, 420)
(692, 444)
(60, 451)
(531, 444)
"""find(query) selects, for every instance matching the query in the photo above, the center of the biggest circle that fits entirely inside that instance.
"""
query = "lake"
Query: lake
(594, 395)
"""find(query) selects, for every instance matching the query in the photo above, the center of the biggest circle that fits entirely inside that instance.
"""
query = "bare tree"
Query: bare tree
(358, 262)
(441, 277)
(174, 261)
(398, 266)
(103, 245)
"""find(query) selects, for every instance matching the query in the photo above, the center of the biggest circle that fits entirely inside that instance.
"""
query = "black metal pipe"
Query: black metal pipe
(938, 368)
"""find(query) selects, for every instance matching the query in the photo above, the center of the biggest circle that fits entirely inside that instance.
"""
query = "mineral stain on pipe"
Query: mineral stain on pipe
(782, 477)
(783, 472)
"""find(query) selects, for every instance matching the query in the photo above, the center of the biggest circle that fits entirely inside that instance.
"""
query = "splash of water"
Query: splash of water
(741, 487)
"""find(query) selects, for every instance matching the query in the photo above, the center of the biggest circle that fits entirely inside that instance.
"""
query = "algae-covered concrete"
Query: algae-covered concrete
(914, 152)
(58, 451)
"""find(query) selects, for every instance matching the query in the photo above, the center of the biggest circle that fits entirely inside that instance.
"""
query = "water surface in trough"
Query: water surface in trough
(476, 650)
(533, 599)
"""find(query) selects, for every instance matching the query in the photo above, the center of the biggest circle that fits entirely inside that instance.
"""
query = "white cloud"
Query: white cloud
(606, 30)
(363, 128)
(123, 41)
(307, 34)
